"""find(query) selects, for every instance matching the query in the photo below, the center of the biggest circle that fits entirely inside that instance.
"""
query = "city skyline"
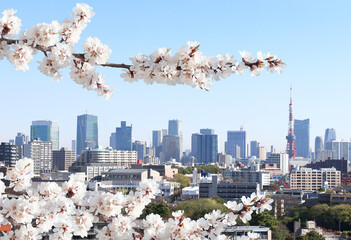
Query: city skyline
(261, 103)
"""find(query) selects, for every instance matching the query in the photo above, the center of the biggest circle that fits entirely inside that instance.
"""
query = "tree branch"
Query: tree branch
(77, 55)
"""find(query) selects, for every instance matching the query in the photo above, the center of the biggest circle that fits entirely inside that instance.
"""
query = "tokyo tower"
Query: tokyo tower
(290, 146)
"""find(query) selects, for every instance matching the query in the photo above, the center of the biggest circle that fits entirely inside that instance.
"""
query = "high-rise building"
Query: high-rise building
(318, 147)
(123, 137)
(62, 159)
(156, 138)
(74, 146)
(236, 139)
(254, 145)
(21, 139)
(329, 137)
(113, 140)
(340, 150)
(9, 154)
(302, 134)
(207, 131)
(41, 154)
(47, 131)
(262, 153)
(87, 132)
(171, 148)
(175, 128)
(204, 147)
(140, 148)
(281, 159)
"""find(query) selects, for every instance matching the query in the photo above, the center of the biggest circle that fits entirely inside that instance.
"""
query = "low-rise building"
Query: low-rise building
(165, 170)
(313, 179)
(235, 232)
(248, 176)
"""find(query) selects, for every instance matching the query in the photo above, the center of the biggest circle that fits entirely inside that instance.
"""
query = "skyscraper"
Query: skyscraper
(175, 128)
(329, 137)
(140, 148)
(156, 138)
(254, 145)
(47, 131)
(21, 139)
(124, 137)
(318, 147)
(62, 159)
(170, 148)
(87, 132)
(204, 147)
(302, 134)
(236, 140)
(207, 131)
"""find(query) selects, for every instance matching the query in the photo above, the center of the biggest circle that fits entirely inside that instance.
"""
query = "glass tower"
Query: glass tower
(46, 131)
(236, 144)
(204, 147)
(302, 134)
(87, 132)
(124, 137)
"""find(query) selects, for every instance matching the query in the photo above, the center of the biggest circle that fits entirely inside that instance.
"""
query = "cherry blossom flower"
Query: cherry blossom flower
(97, 53)
(10, 25)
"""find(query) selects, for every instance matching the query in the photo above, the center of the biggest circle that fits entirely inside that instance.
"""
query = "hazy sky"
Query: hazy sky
(312, 37)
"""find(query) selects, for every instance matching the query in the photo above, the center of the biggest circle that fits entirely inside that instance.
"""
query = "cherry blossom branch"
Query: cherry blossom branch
(56, 40)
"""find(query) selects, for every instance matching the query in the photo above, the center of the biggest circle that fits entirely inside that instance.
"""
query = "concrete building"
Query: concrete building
(151, 160)
(313, 179)
(9, 154)
(41, 154)
(281, 159)
(227, 190)
(248, 176)
(46, 131)
(262, 153)
(107, 155)
(62, 159)
(237, 232)
(165, 171)
(224, 159)
(341, 165)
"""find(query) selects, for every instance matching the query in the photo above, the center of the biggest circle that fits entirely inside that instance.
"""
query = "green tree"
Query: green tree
(318, 213)
(196, 209)
(182, 180)
(312, 236)
(265, 218)
(159, 208)
(342, 214)
(185, 170)
(219, 199)
(209, 169)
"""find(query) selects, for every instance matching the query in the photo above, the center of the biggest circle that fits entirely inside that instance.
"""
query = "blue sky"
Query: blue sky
(312, 37)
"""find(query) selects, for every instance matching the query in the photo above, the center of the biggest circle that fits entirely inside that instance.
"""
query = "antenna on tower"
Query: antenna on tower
(290, 146)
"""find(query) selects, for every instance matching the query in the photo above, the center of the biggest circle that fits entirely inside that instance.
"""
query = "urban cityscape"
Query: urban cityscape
(182, 120)
(299, 176)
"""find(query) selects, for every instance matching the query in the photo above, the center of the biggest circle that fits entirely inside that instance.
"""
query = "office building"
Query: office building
(41, 154)
(46, 131)
(248, 176)
(140, 148)
(236, 144)
(302, 134)
(175, 128)
(204, 147)
(171, 148)
(262, 153)
(341, 165)
(74, 146)
(254, 145)
(313, 179)
(123, 138)
(224, 159)
(329, 137)
(21, 139)
(87, 132)
(340, 149)
(62, 159)
(318, 147)
(156, 138)
(9, 154)
(281, 160)
(207, 131)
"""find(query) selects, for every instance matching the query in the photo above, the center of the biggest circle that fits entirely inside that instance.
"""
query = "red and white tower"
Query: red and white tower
(290, 146)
